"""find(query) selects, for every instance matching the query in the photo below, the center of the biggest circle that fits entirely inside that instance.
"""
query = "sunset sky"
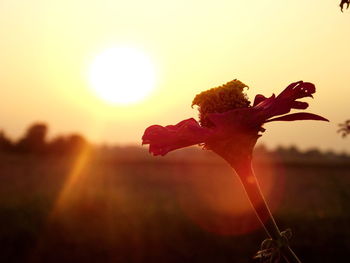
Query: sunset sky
(47, 48)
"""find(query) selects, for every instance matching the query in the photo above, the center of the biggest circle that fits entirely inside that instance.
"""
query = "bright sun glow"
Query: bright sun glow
(122, 75)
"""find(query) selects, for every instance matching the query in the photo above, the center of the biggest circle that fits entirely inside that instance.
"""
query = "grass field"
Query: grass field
(142, 209)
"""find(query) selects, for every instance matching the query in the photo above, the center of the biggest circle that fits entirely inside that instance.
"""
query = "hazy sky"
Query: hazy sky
(47, 46)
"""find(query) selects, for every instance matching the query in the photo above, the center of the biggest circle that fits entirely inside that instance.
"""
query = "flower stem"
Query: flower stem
(252, 188)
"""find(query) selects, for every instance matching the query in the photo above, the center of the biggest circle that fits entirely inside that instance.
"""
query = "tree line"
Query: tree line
(34, 141)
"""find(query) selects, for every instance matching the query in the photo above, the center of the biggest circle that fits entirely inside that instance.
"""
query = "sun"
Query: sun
(122, 75)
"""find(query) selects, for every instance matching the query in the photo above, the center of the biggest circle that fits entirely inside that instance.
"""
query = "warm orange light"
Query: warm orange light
(122, 75)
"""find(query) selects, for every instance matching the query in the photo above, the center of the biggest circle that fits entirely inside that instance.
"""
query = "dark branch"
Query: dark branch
(344, 129)
(344, 2)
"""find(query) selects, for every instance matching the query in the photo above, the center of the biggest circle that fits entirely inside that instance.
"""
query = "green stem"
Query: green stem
(252, 188)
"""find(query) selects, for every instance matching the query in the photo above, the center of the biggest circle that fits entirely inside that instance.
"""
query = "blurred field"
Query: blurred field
(130, 207)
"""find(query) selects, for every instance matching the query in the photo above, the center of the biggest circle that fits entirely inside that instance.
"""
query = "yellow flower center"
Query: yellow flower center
(220, 99)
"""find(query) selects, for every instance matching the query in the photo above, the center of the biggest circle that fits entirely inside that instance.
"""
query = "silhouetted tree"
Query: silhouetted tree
(73, 143)
(313, 153)
(330, 155)
(344, 129)
(76, 143)
(289, 154)
(5, 143)
(281, 151)
(34, 139)
(293, 151)
(58, 145)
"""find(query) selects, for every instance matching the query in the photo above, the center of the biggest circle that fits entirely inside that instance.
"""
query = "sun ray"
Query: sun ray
(73, 179)
(64, 197)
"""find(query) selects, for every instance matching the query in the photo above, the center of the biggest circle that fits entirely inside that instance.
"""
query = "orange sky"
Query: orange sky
(46, 47)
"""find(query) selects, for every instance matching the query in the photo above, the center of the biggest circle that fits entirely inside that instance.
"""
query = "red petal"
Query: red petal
(259, 98)
(287, 100)
(299, 116)
(300, 105)
(162, 140)
(298, 90)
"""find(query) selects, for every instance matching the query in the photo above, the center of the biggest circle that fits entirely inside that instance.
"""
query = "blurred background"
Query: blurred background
(81, 80)
(66, 200)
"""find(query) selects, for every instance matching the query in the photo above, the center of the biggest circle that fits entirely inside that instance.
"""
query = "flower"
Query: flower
(228, 125)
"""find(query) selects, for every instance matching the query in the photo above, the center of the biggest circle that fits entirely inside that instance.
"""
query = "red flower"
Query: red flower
(228, 125)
